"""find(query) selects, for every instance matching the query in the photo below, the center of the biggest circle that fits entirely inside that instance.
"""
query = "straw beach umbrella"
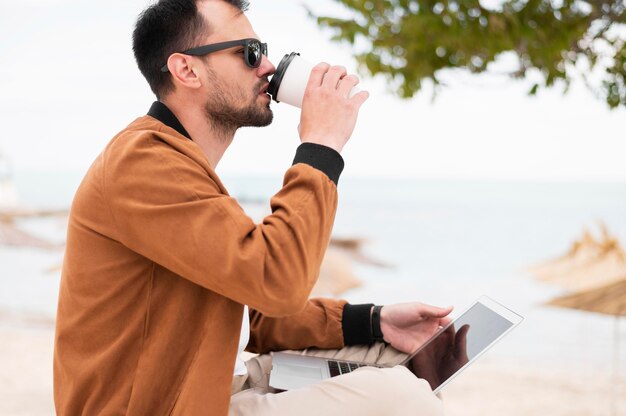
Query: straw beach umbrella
(609, 299)
(337, 269)
(608, 266)
(10, 235)
(589, 263)
(581, 252)
(336, 274)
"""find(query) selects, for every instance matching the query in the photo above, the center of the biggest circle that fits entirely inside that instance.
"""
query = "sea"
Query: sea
(446, 242)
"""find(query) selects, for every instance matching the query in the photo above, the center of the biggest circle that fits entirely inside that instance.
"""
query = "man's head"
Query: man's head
(231, 92)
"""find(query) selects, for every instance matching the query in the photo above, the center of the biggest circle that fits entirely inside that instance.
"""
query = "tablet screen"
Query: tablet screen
(464, 339)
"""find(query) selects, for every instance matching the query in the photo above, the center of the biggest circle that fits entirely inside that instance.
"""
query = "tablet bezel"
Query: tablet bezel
(494, 306)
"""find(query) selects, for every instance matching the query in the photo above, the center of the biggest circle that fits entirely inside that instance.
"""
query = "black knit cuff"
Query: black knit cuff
(321, 158)
(357, 327)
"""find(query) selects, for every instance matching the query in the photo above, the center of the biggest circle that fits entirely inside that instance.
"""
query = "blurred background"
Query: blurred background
(458, 183)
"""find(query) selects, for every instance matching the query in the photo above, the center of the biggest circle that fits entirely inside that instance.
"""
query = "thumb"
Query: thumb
(437, 312)
(461, 342)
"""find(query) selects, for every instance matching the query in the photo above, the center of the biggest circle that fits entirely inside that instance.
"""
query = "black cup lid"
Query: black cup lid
(277, 78)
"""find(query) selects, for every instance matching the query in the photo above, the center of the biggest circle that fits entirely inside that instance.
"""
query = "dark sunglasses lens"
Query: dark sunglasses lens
(254, 54)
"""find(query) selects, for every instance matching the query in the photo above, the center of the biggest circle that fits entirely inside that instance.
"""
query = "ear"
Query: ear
(184, 70)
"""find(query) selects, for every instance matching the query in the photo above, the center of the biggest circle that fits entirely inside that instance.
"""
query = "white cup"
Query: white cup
(290, 80)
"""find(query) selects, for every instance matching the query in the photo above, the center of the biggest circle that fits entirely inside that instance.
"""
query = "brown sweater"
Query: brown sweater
(160, 261)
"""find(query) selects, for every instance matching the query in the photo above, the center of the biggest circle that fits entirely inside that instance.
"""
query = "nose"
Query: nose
(266, 68)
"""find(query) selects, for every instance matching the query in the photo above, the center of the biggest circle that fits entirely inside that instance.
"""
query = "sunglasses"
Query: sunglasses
(252, 54)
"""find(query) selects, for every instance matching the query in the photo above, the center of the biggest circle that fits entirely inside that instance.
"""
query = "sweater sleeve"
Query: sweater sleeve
(168, 206)
(318, 325)
(323, 323)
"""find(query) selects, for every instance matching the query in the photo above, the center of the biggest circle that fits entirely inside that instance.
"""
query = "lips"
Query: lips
(263, 89)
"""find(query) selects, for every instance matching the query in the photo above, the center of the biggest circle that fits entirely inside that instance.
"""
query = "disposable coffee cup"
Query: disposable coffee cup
(291, 78)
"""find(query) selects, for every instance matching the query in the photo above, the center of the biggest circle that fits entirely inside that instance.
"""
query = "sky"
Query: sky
(69, 83)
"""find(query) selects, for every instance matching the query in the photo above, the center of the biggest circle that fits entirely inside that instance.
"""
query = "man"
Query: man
(162, 265)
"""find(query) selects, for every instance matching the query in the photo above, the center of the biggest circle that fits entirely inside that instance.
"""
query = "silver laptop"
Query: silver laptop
(446, 354)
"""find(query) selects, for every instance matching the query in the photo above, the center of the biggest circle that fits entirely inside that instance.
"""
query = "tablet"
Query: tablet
(455, 346)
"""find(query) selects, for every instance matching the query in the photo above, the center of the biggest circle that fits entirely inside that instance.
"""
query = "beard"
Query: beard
(232, 109)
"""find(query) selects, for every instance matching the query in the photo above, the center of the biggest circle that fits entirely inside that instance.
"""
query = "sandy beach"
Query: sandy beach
(489, 387)
(26, 369)
(446, 246)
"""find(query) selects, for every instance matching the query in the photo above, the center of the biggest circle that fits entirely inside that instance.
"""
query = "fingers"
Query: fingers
(345, 86)
(444, 321)
(328, 115)
(347, 83)
(332, 77)
(360, 97)
(317, 74)
(335, 78)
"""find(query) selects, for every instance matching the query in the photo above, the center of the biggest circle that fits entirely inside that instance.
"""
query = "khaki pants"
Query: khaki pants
(366, 391)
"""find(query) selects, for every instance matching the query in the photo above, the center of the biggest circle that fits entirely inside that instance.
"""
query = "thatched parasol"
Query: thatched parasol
(337, 271)
(10, 235)
(336, 275)
(609, 299)
(589, 263)
(609, 266)
(581, 252)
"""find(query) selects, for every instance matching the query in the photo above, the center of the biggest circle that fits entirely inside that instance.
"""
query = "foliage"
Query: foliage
(411, 40)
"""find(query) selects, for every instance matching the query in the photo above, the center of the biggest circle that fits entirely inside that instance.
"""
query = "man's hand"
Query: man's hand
(406, 326)
(442, 357)
(328, 116)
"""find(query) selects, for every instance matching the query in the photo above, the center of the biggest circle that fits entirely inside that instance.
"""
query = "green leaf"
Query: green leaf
(412, 40)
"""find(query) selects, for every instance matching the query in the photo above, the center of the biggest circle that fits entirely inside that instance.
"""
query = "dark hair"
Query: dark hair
(166, 27)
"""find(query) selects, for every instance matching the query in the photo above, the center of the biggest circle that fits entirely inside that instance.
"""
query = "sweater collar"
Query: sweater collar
(160, 111)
